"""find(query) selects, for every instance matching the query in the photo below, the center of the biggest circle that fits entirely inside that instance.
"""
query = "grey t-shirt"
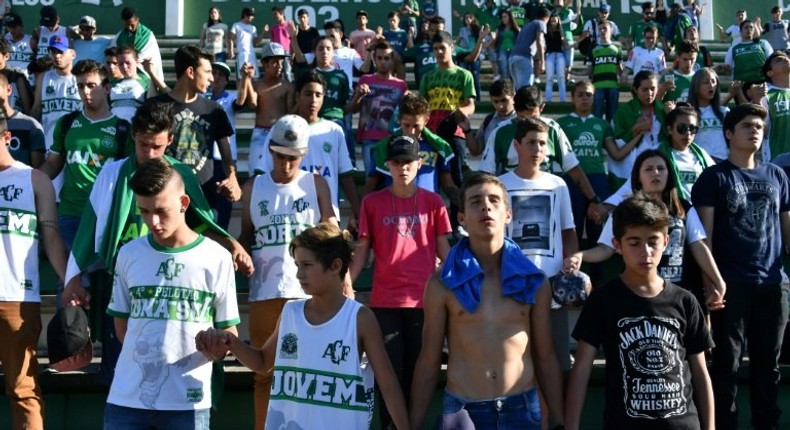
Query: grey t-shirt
(776, 34)
(525, 42)
(27, 136)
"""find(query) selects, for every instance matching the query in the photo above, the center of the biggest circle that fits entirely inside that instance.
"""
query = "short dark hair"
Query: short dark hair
(3, 46)
(776, 9)
(744, 22)
(328, 242)
(84, 67)
(153, 176)
(640, 210)
(111, 52)
(189, 56)
(333, 25)
(381, 45)
(412, 104)
(436, 20)
(442, 37)
(651, 29)
(680, 110)
(768, 62)
(583, 83)
(527, 97)
(128, 13)
(277, 9)
(502, 87)
(543, 13)
(310, 77)
(302, 11)
(687, 47)
(361, 13)
(737, 114)
(4, 78)
(154, 117)
(125, 49)
(40, 65)
(480, 179)
(527, 125)
(393, 14)
(647, 5)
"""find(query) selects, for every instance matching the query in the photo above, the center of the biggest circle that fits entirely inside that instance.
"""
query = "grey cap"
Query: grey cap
(289, 136)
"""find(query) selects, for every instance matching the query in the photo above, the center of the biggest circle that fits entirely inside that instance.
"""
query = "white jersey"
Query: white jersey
(541, 211)
(44, 35)
(641, 58)
(126, 96)
(18, 236)
(278, 213)
(58, 97)
(168, 295)
(244, 35)
(710, 136)
(327, 156)
(21, 54)
(319, 381)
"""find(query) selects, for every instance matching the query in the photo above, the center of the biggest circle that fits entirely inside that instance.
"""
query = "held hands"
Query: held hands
(75, 294)
(642, 126)
(213, 343)
(572, 263)
(714, 294)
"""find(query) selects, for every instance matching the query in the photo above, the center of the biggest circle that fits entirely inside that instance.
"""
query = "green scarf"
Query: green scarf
(139, 38)
(666, 148)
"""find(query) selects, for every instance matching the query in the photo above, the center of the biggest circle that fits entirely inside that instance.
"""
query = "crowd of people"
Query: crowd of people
(127, 183)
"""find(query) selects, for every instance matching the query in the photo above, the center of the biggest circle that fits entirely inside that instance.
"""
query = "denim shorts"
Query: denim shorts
(123, 418)
(519, 411)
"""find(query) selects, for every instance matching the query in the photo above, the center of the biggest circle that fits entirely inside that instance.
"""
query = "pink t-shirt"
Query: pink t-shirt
(378, 107)
(403, 235)
(360, 39)
(279, 34)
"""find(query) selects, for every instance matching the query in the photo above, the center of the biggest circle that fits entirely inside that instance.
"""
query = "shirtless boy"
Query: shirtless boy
(271, 95)
(497, 324)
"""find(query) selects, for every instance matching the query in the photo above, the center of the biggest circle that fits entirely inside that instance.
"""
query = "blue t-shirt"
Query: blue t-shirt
(527, 37)
(397, 39)
(428, 176)
(747, 233)
(91, 49)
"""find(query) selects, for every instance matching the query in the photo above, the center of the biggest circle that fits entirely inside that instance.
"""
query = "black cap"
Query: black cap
(12, 19)
(362, 13)
(403, 148)
(48, 15)
(68, 340)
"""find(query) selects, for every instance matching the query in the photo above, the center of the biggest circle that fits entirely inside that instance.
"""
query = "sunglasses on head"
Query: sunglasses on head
(687, 129)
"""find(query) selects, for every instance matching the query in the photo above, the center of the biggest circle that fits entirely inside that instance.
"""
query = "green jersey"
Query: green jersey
(779, 119)
(87, 147)
(637, 31)
(606, 65)
(337, 94)
(587, 136)
(682, 87)
(747, 59)
(684, 22)
(567, 17)
(500, 157)
(519, 15)
(447, 89)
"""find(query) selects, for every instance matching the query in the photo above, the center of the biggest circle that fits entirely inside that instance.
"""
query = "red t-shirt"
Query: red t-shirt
(378, 107)
(403, 235)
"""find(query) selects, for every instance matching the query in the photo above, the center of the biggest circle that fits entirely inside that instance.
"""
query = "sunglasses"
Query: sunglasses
(687, 129)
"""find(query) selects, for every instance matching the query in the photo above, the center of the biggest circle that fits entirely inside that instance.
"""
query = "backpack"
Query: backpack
(587, 44)
(122, 130)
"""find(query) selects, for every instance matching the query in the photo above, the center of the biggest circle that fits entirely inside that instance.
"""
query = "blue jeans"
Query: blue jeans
(521, 71)
(123, 418)
(555, 67)
(579, 204)
(605, 102)
(221, 57)
(755, 318)
(503, 58)
(474, 68)
(369, 155)
(519, 411)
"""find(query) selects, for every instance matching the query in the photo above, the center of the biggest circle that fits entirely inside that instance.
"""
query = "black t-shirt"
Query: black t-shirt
(747, 232)
(199, 125)
(306, 39)
(646, 342)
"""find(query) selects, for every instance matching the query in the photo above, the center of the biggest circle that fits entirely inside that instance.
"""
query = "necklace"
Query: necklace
(405, 222)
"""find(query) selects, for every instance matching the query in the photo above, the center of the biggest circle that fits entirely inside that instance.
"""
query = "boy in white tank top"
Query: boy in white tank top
(28, 218)
(320, 341)
(278, 205)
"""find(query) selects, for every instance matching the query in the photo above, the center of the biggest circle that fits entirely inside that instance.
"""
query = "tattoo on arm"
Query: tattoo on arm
(48, 223)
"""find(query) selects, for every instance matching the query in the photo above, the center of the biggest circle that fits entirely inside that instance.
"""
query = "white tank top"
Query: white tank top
(21, 52)
(278, 213)
(44, 34)
(319, 381)
(19, 281)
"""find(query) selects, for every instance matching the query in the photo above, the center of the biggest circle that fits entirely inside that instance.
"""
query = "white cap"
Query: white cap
(289, 136)
(273, 49)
